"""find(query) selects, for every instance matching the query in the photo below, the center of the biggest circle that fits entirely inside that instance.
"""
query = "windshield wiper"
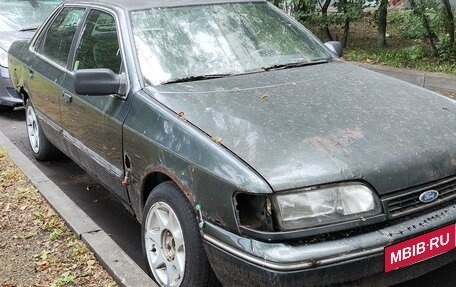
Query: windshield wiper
(198, 78)
(294, 65)
(29, 29)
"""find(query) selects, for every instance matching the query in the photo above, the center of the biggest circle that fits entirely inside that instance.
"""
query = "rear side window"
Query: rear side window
(99, 45)
(57, 40)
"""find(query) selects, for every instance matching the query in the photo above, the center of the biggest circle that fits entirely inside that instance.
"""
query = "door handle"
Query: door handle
(67, 98)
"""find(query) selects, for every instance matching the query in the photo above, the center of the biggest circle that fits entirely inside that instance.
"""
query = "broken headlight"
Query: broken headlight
(326, 205)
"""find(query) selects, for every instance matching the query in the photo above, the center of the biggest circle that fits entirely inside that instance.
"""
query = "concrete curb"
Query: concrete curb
(428, 80)
(121, 267)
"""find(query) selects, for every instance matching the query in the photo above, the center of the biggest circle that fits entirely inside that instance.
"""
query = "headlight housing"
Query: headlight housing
(326, 205)
(3, 58)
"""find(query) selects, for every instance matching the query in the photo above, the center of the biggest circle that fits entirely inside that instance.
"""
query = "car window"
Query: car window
(58, 38)
(99, 45)
(228, 38)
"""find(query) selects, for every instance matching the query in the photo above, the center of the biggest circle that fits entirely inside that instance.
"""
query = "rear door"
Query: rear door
(93, 124)
(47, 71)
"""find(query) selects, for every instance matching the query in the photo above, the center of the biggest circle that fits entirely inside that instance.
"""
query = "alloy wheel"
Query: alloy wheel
(32, 129)
(165, 246)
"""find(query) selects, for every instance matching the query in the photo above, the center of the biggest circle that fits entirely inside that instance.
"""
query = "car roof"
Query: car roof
(141, 4)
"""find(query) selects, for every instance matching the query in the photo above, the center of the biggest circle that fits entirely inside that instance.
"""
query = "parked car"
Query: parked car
(250, 153)
(19, 19)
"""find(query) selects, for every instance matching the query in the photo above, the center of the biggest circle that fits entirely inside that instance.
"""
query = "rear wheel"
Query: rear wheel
(42, 148)
(172, 242)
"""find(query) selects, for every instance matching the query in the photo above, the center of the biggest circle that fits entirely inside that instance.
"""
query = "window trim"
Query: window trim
(72, 53)
(35, 47)
(123, 65)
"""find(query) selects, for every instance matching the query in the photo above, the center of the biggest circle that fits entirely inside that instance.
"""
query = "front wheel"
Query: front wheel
(172, 242)
(42, 148)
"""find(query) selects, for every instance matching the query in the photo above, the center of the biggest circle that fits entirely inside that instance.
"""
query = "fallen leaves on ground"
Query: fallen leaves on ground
(36, 247)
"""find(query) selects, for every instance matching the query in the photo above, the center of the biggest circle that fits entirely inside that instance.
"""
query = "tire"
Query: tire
(42, 148)
(171, 240)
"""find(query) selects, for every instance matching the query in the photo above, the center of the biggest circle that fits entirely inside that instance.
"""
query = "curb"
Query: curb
(118, 264)
(428, 80)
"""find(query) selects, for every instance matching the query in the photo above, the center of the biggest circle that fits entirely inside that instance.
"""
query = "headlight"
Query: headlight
(326, 205)
(3, 58)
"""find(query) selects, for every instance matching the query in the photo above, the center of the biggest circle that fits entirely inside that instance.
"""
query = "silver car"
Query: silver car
(18, 20)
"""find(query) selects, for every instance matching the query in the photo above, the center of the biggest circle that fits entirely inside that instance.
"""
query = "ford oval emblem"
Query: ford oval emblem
(429, 196)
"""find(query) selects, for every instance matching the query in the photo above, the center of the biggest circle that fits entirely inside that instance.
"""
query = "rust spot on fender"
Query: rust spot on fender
(171, 174)
(339, 140)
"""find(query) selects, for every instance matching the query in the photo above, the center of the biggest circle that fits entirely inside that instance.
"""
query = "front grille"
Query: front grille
(407, 202)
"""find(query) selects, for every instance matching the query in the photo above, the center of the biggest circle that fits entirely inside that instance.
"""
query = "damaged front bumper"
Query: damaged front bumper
(353, 259)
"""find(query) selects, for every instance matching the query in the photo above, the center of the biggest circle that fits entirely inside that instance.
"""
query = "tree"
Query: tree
(439, 27)
(448, 21)
(382, 14)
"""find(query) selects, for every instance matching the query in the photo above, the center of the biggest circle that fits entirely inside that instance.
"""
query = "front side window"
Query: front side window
(99, 45)
(57, 40)
(193, 41)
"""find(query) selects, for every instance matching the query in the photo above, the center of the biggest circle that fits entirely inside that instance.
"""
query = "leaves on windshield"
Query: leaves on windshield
(179, 44)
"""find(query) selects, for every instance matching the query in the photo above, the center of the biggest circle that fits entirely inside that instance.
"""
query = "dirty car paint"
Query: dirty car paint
(325, 123)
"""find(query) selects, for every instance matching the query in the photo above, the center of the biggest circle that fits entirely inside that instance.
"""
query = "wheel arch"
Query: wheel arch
(157, 176)
(25, 95)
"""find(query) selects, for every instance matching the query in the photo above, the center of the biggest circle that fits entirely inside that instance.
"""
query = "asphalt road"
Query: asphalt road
(110, 215)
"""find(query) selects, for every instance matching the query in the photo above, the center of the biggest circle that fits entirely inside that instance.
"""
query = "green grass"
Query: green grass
(415, 57)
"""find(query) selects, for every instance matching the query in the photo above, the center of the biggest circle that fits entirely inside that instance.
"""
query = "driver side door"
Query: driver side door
(93, 124)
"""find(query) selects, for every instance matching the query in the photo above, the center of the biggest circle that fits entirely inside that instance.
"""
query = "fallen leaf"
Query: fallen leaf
(91, 262)
(41, 265)
(217, 139)
(264, 96)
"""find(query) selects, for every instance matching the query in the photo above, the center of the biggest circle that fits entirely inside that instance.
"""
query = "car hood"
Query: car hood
(324, 123)
(7, 38)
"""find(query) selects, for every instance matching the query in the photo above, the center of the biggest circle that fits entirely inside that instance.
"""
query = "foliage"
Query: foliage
(409, 25)
(406, 25)
(416, 57)
(429, 22)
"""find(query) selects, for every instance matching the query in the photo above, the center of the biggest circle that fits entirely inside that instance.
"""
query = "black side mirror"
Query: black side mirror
(99, 82)
(335, 47)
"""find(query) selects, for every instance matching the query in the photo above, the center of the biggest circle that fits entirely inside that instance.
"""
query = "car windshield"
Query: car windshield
(26, 14)
(206, 41)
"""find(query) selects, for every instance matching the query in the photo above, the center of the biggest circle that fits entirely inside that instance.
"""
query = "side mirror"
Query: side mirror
(335, 47)
(99, 82)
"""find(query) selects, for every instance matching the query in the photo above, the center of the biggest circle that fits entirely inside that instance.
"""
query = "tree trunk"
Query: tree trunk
(324, 13)
(448, 20)
(432, 37)
(346, 23)
(346, 32)
(381, 31)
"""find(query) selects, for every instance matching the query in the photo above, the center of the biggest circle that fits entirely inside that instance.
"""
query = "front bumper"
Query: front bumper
(358, 259)
(8, 95)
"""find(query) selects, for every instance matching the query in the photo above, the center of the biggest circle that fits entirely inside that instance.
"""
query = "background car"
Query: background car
(19, 19)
